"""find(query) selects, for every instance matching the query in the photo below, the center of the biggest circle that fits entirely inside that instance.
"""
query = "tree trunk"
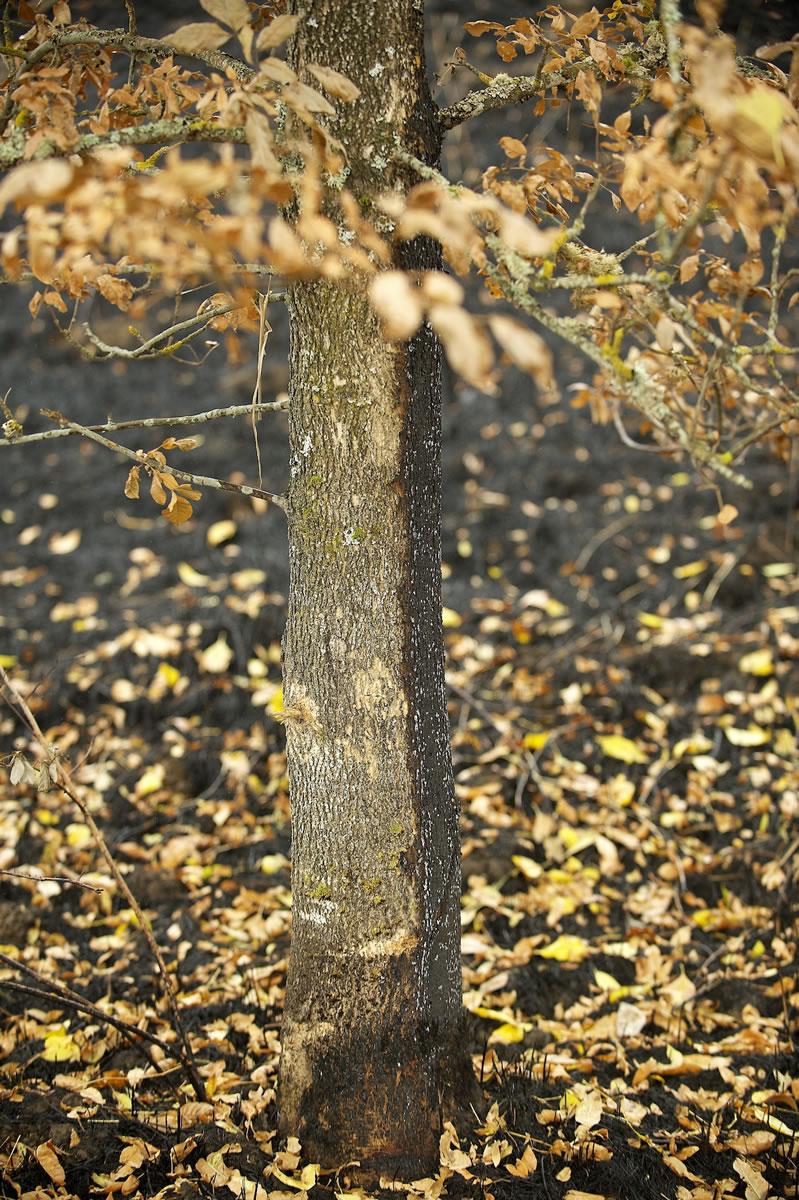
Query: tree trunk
(373, 1002)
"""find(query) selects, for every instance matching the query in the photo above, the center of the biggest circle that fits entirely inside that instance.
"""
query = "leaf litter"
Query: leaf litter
(630, 800)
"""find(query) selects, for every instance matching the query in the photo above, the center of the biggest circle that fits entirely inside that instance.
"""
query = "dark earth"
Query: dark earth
(590, 593)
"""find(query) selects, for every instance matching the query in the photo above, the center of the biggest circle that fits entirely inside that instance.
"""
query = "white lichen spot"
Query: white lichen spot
(390, 51)
(380, 161)
(351, 537)
(376, 70)
(346, 236)
(321, 912)
(307, 445)
(312, 21)
(338, 179)
(339, 382)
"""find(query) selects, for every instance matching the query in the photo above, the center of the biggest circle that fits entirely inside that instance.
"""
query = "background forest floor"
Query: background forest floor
(622, 680)
(622, 674)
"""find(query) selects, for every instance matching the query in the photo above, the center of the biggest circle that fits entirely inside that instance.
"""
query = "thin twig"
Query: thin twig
(64, 782)
(52, 879)
(81, 1003)
(221, 485)
(152, 347)
(213, 414)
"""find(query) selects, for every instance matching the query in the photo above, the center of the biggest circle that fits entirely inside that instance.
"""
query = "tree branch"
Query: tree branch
(151, 133)
(152, 348)
(641, 63)
(221, 485)
(213, 414)
(152, 49)
(67, 996)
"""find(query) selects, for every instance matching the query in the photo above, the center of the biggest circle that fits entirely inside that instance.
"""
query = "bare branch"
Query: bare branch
(221, 485)
(73, 1000)
(641, 64)
(151, 133)
(152, 348)
(150, 49)
(213, 414)
(52, 879)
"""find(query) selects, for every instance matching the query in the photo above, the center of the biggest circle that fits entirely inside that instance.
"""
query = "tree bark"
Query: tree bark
(373, 1002)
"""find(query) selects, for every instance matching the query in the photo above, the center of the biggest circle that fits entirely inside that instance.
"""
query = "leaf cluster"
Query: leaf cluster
(689, 325)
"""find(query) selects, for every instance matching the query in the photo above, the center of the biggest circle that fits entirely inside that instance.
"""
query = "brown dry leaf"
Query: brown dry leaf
(526, 349)
(301, 97)
(757, 1187)
(398, 304)
(259, 136)
(199, 35)
(438, 288)
(157, 489)
(277, 32)
(276, 69)
(37, 183)
(235, 13)
(513, 147)
(585, 24)
(178, 510)
(334, 83)
(524, 236)
(465, 343)
(47, 1158)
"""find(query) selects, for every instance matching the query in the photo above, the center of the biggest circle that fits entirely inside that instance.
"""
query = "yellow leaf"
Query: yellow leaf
(220, 531)
(8, 660)
(616, 746)
(217, 657)
(566, 948)
(449, 618)
(272, 863)
(190, 577)
(622, 790)
(534, 741)
(275, 705)
(753, 736)
(168, 673)
(507, 1033)
(589, 1111)
(689, 570)
(605, 981)
(529, 868)
(151, 780)
(78, 834)
(59, 1046)
(652, 620)
(496, 1014)
(778, 569)
(306, 1180)
(758, 662)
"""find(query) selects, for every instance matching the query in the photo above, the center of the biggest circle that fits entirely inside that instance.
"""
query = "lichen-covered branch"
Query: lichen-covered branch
(221, 485)
(172, 131)
(213, 414)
